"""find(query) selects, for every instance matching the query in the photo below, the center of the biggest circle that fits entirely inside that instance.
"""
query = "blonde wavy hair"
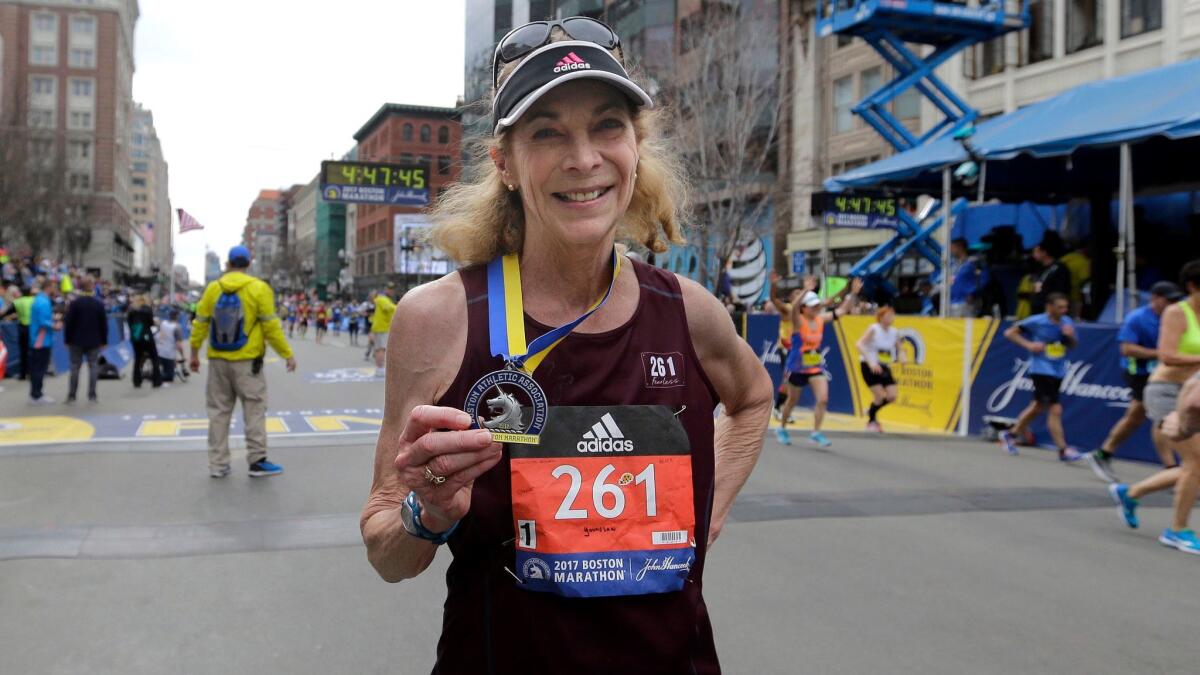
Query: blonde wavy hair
(478, 218)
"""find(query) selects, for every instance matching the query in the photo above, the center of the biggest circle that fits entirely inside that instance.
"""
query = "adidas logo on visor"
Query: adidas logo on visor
(571, 62)
(605, 436)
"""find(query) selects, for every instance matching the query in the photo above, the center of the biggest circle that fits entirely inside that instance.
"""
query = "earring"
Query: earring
(511, 188)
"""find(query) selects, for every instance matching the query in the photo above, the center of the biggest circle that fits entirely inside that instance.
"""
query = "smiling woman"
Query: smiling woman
(579, 544)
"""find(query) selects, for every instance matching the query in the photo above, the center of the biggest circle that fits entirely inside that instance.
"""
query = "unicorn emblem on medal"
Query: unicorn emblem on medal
(510, 404)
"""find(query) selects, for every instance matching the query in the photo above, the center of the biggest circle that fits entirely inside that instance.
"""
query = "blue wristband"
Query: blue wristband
(418, 528)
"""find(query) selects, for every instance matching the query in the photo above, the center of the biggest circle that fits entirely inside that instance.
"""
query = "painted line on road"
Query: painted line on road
(325, 531)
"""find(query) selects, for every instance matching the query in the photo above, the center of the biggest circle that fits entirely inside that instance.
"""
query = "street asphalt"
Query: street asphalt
(881, 554)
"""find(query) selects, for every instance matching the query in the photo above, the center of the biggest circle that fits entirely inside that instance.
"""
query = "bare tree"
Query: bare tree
(728, 101)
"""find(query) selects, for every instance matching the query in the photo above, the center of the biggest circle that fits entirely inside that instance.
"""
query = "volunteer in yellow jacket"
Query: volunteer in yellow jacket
(381, 321)
(237, 316)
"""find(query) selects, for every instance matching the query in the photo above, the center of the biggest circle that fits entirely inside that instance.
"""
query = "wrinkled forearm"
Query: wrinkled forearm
(394, 553)
(738, 444)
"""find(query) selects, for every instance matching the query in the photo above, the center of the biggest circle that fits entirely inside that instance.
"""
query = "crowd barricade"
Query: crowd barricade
(949, 363)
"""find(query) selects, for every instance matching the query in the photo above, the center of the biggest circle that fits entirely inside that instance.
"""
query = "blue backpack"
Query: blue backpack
(228, 324)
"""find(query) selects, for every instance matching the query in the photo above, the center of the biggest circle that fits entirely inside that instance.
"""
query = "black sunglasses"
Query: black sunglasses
(524, 39)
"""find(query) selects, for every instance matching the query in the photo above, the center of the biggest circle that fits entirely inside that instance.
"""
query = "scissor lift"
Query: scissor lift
(948, 28)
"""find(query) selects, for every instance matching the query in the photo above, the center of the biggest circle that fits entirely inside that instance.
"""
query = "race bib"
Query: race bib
(811, 359)
(1056, 350)
(885, 356)
(603, 505)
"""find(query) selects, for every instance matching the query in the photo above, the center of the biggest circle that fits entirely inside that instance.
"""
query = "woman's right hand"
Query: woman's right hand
(875, 368)
(440, 439)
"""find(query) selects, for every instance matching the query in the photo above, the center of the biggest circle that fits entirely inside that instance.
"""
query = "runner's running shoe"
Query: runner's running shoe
(819, 438)
(874, 427)
(1009, 442)
(219, 472)
(265, 468)
(1126, 505)
(782, 435)
(1101, 466)
(1069, 454)
(1184, 540)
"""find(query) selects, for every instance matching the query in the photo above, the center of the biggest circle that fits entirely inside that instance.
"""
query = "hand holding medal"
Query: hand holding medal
(440, 457)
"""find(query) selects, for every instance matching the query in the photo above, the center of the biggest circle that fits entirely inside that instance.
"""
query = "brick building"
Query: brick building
(401, 134)
(66, 79)
(265, 223)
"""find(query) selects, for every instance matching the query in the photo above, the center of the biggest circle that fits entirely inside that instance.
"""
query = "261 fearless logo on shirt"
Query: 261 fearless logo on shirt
(663, 369)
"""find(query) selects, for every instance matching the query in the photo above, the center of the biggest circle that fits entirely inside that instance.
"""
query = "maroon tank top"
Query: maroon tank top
(490, 625)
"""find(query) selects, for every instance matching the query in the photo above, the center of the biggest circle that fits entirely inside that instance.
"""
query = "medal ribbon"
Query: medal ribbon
(506, 315)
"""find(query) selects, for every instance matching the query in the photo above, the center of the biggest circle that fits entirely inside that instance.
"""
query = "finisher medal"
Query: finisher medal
(509, 402)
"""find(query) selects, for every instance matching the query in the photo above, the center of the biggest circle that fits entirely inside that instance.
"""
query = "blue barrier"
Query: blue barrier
(1094, 394)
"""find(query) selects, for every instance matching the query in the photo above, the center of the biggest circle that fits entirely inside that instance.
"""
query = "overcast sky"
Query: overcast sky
(253, 94)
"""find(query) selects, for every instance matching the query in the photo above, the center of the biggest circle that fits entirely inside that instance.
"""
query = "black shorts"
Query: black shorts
(320, 324)
(1045, 388)
(884, 378)
(1137, 385)
(801, 379)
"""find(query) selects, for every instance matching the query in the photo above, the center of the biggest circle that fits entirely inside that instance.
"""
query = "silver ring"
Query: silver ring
(433, 478)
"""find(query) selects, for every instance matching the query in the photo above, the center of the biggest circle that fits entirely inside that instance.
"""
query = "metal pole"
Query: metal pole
(825, 253)
(982, 182)
(1122, 231)
(946, 226)
(964, 408)
(1131, 233)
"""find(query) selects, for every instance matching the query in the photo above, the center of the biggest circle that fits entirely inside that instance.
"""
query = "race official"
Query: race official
(381, 321)
(237, 316)
(585, 552)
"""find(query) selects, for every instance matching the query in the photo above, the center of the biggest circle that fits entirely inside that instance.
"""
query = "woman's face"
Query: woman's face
(573, 156)
(887, 318)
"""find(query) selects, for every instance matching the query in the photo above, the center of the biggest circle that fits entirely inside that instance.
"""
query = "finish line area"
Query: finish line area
(26, 431)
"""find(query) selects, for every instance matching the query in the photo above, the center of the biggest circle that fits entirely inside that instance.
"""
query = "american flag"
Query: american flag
(187, 223)
(148, 233)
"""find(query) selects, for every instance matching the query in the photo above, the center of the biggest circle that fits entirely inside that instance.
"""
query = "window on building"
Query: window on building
(870, 82)
(43, 55)
(1039, 39)
(425, 161)
(406, 133)
(83, 25)
(79, 119)
(985, 58)
(1140, 16)
(443, 165)
(426, 133)
(79, 149)
(142, 167)
(1085, 24)
(45, 23)
(370, 264)
(844, 40)
(502, 19)
(907, 104)
(41, 118)
(443, 135)
(81, 87)
(79, 181)
(843, 101)
(42, 86)
(381, 262)
(41, 148)
(139, 182)
(83, 57)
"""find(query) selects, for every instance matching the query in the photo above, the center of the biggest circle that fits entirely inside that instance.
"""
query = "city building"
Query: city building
(401, 134)
(66, 77)
(264, 224)
(302, 235)
(151, 203)
(1067, 44)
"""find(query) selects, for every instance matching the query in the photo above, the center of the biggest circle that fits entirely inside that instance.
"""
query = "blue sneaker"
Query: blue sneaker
(819, 438)
(783, 437)
(1126, 505)
(1009, 442)
(265, 468)
(1184, 540)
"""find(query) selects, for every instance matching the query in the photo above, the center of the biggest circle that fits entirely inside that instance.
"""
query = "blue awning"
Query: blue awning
(1066, 145)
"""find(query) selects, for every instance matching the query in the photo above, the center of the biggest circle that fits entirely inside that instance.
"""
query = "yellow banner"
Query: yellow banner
(928, 372)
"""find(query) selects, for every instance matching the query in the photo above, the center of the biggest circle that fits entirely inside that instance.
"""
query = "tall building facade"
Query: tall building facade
(264, 223)
(66, 79)
(148, 191)
(401, 134)
(1069, 43)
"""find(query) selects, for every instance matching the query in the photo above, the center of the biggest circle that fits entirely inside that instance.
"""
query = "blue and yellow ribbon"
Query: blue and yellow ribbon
(506, 315)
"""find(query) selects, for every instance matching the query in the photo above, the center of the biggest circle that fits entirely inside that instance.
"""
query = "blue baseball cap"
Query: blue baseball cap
(239, 254)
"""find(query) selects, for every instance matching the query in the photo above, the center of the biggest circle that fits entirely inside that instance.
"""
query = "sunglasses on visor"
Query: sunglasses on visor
(524, 39)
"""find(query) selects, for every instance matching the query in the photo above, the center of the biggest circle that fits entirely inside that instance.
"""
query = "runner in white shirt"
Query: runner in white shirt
(877, 351)
(168, 341)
